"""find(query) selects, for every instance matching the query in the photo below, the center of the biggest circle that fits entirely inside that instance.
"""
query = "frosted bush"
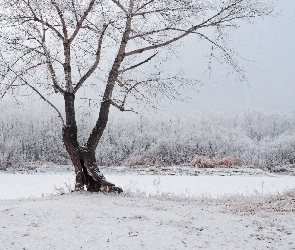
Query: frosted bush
(252, 138)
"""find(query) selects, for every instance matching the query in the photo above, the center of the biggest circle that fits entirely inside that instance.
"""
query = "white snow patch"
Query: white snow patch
(204, 186)
(19, 186)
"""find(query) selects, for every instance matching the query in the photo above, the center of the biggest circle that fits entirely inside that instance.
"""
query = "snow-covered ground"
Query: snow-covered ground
(213, 210)
(97, 221)
(16, 186)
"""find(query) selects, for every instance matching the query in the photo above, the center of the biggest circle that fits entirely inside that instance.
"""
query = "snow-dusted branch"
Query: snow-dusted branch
(35, 18)
(80, 22)
(51, 70)
(120, 6)
(46, 100)
(17, 76)
(97, 60)
(144, 5)
(163, 44)
(138, 64)
(61, 17)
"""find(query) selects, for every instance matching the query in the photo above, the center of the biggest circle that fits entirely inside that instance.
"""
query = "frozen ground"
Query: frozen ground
(131, 221)
(212, 210)
(16, 186)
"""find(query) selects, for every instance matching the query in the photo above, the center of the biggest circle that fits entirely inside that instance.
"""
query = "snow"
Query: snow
(19, 186)
(154, 212)
(38, 185)
(91, 221)
(204, 186)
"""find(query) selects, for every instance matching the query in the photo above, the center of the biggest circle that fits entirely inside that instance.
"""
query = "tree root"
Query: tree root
(107, 187)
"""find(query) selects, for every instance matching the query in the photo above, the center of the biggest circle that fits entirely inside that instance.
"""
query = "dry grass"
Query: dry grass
(140, 161)
(281, 203)
(199, 161)
(204, 162)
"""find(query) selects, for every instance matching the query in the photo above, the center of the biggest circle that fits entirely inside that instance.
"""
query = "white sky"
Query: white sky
(269, 47)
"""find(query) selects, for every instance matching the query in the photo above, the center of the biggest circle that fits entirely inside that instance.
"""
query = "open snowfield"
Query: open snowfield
(38, 185)
(98, 221)
(155, 212)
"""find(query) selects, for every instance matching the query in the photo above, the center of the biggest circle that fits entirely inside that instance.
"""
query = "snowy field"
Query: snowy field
(154, 212)
(16, 186)
(97, 221)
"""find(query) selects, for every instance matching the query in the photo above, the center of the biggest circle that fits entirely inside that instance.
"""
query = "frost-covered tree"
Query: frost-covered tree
(99, 47)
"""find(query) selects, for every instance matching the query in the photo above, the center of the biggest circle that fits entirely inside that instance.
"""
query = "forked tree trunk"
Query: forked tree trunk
(83, 158)
(87, 172)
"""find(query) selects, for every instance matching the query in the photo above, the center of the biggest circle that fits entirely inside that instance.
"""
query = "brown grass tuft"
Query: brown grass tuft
(204, 162)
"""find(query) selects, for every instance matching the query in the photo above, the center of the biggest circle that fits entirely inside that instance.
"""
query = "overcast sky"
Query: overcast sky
(269, 47)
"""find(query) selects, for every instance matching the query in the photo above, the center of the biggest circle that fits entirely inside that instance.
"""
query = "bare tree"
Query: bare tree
(52, 46)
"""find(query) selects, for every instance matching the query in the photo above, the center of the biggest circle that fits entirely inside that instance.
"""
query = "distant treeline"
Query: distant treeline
(253, 138)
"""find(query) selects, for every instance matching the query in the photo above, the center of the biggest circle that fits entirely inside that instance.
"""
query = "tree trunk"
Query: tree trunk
(83, 158)
(87, 172)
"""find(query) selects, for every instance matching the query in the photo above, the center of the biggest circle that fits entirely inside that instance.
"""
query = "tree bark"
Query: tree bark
(83, 158)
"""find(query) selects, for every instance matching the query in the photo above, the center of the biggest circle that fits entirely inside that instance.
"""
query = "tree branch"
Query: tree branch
(67, 50)
(121, 84)
(225, 52)
(102, 120)
(46, 100)
(75, 11)
(121, 107)
(97, 60)
(63, 23)
(79, 24)
(120, 6)
(42, 97)
(36, 19)
(148, 33)
(155, 11)
(8, 87)
(144, 5)
(205, 23)
(56, 86)
(152, 47)
(139, 64)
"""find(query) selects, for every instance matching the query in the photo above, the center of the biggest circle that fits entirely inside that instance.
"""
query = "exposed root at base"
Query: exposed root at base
(102, 186)
(111, 189)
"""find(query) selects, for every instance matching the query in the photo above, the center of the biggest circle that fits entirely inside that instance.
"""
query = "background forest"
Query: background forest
(254, 138)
